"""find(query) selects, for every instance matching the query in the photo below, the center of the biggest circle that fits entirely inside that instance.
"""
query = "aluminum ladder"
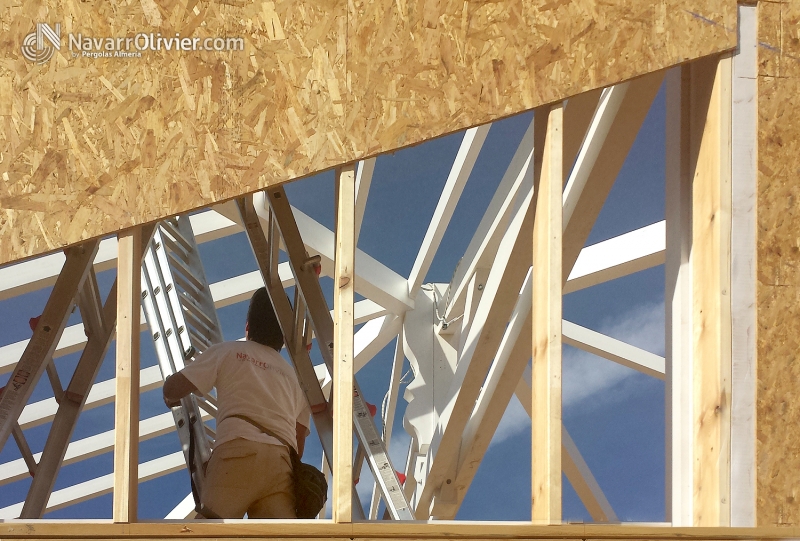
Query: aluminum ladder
(310, 312)
(183, 323)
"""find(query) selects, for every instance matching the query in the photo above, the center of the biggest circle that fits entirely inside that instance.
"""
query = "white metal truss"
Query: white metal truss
(482, 329)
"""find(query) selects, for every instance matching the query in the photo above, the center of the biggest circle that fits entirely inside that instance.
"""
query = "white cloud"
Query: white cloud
(586, 376)
(515, 420)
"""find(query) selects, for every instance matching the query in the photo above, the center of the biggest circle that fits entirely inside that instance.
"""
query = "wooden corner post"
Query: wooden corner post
(126, 422)
(546, 310)
(343, 288)
(710, 159)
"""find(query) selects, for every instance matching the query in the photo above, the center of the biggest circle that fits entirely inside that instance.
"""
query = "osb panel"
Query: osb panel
(778, 398)
(91, 146)
(420, 68)
(769, 37)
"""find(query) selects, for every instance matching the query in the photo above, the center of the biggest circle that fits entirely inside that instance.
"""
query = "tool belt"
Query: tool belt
(310, 486)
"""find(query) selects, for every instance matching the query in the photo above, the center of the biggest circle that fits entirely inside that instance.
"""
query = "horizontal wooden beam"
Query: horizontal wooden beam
(326, 529)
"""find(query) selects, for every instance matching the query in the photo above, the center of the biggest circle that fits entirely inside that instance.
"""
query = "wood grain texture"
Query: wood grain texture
(546, 311)
(363, 531)
(710, 262)
(126, 405)
(422, 68)
(92, 146)
(344, 276)
(778, 272)
(95, 145)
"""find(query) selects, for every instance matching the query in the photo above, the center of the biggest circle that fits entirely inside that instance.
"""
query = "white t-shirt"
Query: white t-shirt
(255, 381)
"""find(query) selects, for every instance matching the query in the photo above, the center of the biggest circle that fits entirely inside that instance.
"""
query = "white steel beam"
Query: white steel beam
(374, 280)
(184, 510)
(101, 393)
(613, 349)
(509, 363)
(39, 350)
(635, 251)
(616, 122)
(72, 401)
(610, 103)
(502, 288)
(92, 446)
(677, 305)
(366, 168)
(578, 113)
(572, 463)
(459, 174)
(225, 292)
(583, 482)
(19, 278)
(484, 243)
(99, 486)
(388, 407)
(370, 339)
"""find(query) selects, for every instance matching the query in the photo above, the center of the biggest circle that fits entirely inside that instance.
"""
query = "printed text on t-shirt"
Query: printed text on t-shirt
(259, 364)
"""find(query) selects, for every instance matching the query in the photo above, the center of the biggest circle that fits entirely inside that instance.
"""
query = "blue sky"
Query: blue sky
(615, 415)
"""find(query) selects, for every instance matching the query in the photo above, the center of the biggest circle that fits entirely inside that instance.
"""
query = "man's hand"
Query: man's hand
(176, 387)
(172, 403)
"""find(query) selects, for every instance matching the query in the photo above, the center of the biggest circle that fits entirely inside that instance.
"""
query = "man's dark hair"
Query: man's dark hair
(262, 324)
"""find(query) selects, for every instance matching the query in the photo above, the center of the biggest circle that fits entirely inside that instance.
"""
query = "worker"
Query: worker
(249, 470)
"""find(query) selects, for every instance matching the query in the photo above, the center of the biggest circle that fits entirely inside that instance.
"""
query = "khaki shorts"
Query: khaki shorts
(245, 476)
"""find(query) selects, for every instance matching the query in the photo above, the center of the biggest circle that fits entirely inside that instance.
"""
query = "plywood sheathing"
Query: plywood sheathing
(420, 68)
(778, 394)
(92, 146)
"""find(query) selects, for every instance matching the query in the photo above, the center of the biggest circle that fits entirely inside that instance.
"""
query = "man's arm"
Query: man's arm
(302, 431)
(176, 387)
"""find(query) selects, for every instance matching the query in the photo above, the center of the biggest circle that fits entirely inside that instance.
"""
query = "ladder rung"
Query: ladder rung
(200, 341)
(194, 309)
(188, 287)
(176, 247)
(184, 269)
(201, 318)
(172, 229)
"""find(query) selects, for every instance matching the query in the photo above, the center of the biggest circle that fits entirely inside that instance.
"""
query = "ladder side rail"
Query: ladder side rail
(286, 318)
(165, 318)
(266, 254)
(306, 280)
(168, 305)
(46, 335)
(100, 324)
(204, 300)
(308, 284)
(164, 354)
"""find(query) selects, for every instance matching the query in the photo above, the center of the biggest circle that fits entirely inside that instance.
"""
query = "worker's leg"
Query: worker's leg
(234, 478)
(277, 497)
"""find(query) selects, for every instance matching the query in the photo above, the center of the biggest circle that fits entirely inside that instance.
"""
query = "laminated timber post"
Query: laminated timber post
(343, 289)
(710, 165)
(546, 315)
(698, 293)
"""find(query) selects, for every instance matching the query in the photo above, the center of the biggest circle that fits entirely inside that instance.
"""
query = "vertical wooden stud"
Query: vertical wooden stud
(546, 372)
(126, 436)
(343, 282)
(710, 262)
